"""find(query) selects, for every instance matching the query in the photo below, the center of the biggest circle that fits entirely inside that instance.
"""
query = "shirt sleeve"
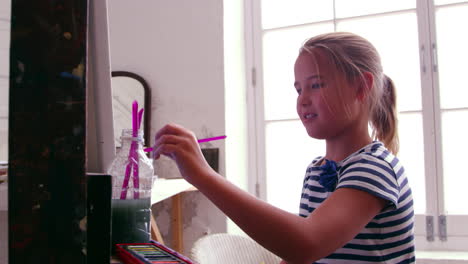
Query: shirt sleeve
(372, 175)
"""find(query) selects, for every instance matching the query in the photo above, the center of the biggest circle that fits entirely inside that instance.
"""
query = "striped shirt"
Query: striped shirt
(388, 237)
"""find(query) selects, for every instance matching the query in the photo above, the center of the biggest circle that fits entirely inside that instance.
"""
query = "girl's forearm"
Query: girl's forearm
(277, 230)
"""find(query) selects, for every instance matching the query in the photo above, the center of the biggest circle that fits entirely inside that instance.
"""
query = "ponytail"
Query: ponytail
(384, 120)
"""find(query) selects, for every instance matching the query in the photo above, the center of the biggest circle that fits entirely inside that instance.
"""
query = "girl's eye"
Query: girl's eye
(316, 85)
(298, 91)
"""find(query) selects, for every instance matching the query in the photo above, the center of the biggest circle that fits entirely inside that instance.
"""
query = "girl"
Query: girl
(356, 204)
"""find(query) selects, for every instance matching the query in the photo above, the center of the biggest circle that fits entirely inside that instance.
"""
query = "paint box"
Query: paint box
(149, 253)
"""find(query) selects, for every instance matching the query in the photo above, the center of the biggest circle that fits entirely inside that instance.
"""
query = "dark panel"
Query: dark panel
(99, 218)
(47, 120)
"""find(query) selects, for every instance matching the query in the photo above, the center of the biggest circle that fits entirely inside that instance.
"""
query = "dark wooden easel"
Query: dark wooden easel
(47, 132)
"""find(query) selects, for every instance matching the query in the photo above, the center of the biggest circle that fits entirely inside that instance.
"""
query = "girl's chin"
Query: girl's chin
(316, 134)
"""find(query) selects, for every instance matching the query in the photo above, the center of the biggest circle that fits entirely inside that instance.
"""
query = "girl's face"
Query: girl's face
(326, 103)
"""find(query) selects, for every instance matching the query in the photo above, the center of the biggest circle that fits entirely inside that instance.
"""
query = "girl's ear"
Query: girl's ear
(365, 84)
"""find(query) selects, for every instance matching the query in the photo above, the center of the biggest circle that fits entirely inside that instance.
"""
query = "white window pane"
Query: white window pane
(452, 56)
(396, 39)
(412, 156)
(454, 146)
(289, 150)
(347, 8)
(444, 2)
(280, 13)
(280, 50)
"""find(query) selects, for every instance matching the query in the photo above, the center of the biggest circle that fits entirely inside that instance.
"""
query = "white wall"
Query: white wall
(177, 46)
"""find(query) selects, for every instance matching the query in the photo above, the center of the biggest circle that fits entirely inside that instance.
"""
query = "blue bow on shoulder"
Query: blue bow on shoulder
(329, 176)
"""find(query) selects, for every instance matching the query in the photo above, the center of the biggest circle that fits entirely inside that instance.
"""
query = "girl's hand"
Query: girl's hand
(181, 145)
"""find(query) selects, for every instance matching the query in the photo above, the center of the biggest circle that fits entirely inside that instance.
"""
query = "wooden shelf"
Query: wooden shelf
(166, 188)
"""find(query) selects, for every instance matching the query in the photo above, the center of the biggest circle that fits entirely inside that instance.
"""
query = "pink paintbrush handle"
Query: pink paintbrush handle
(140, 116)
(123, 194)
(211, 139)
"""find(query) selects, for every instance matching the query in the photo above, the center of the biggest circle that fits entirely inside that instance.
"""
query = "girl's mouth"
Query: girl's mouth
(309, 116)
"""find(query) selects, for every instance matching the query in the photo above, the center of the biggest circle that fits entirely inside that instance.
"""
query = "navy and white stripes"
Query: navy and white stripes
(388, 238)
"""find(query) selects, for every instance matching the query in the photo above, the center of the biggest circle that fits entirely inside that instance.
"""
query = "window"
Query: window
(423, 52)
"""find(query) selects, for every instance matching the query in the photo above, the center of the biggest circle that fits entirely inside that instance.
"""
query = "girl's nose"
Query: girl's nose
(303, 99)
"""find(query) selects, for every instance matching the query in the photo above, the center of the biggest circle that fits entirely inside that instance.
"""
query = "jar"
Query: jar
(132, 178)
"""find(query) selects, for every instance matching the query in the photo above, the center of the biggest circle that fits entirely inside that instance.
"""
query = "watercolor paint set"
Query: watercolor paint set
(149, 253)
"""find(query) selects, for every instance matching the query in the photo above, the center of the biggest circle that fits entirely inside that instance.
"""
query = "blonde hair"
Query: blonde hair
(353, 56)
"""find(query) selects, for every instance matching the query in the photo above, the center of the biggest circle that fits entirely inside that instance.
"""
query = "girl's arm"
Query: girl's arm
(291, 237)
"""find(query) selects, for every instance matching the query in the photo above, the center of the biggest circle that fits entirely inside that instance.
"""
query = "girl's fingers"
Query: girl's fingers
(163, 141)
(176, 136)
(167, 150)
(180, 145)
(167, 139)
(170, 129)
